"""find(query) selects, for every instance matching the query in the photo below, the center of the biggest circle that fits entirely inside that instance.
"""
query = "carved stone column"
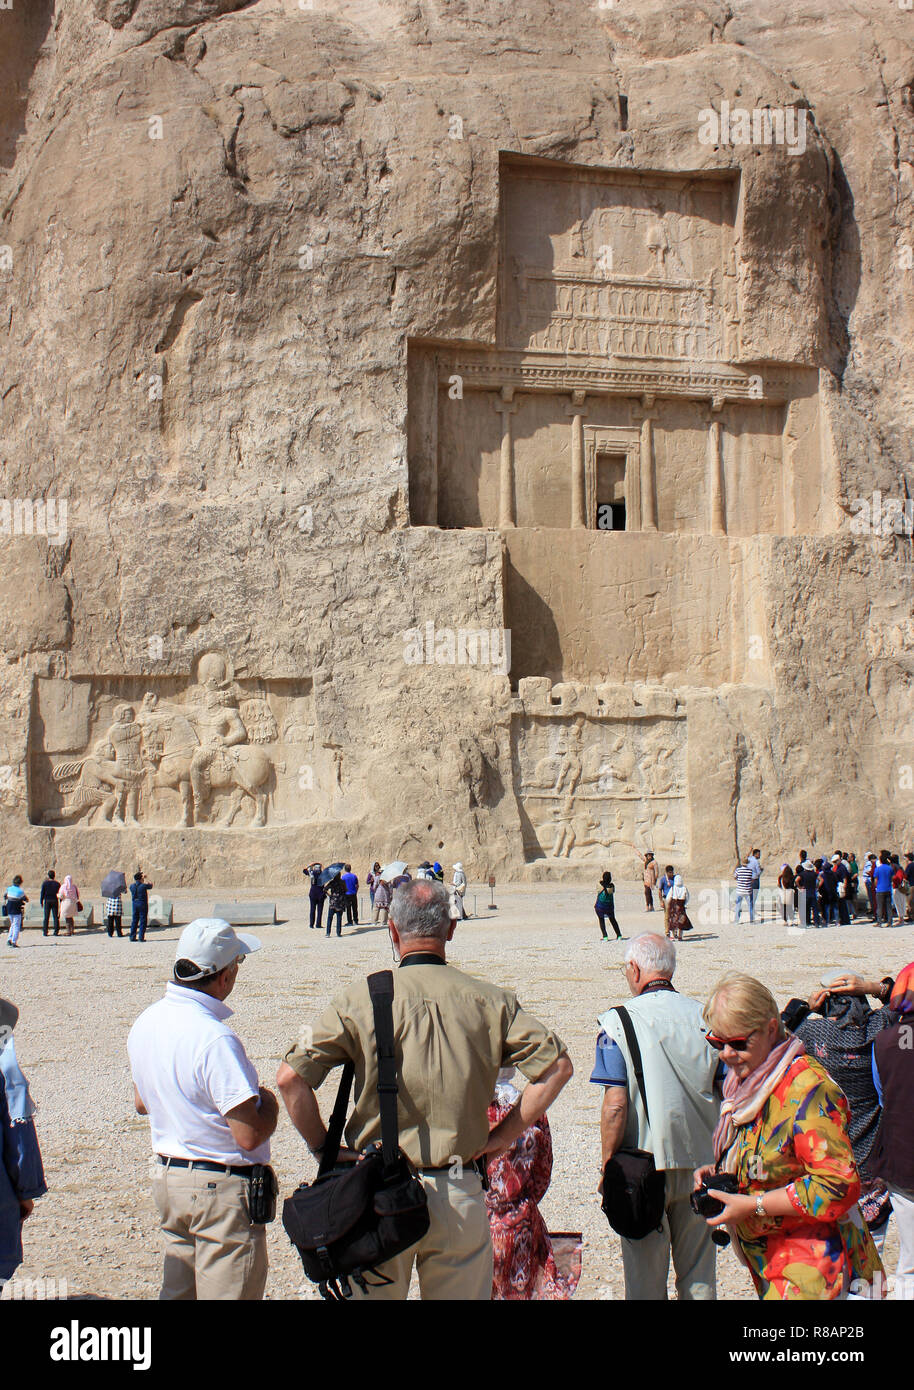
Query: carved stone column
(578, 484)
(648, 488)
(717, 517)
(506, 406)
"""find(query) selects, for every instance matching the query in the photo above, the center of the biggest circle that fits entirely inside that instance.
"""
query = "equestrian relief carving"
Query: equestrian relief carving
(199, 756)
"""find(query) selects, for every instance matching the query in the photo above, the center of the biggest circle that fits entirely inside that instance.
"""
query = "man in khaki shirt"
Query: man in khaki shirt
(453, 1033)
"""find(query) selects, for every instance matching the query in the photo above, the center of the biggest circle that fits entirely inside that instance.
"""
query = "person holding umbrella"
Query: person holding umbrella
(113, 885)
(395, 873)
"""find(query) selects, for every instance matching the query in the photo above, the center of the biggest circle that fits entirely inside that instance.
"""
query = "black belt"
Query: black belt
(237, 1171)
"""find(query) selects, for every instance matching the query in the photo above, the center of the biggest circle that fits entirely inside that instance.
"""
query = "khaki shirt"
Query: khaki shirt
(452, 1033)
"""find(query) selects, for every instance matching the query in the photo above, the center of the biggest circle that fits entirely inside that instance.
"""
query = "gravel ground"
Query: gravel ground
(97, 1227)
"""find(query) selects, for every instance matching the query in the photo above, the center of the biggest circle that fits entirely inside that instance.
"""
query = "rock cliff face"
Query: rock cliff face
(340, 341)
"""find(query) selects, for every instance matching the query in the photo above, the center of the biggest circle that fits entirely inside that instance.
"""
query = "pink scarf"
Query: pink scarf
(744, 1099)
(68, 889)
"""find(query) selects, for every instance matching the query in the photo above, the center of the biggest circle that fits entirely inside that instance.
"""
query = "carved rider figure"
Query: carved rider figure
(213, 711)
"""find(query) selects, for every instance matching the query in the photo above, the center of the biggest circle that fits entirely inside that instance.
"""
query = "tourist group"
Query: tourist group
(58, 900)
(786, 1131)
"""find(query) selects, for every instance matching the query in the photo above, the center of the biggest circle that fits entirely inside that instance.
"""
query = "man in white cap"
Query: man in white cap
(210, 1118)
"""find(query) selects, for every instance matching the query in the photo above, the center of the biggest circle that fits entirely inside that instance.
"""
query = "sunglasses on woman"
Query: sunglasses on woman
(737, 1044)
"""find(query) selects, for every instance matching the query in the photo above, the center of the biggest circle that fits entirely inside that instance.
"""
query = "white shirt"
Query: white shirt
(190, 1069)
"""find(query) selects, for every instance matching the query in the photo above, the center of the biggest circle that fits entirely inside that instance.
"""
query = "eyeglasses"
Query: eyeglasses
(737, 1044)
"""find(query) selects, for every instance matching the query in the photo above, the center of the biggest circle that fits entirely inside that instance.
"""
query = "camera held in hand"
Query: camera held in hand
(703, 1204)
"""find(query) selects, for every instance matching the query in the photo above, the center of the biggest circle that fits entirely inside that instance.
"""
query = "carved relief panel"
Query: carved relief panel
(617, 264)
(586, 783)
(165, 752)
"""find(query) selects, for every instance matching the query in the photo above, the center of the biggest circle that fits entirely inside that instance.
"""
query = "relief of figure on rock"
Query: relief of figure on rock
(589, 784)
(196, 745)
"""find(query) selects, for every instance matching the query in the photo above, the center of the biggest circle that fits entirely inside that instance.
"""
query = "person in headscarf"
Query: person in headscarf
(458, 890)
(524, 1261)
(783, 1134)
(838, 1027)
(69, 902)
(677, 917)
(21, 1170)
(373, 879)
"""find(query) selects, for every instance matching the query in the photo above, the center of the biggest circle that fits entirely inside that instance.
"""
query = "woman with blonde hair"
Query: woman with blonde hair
(783, 1134)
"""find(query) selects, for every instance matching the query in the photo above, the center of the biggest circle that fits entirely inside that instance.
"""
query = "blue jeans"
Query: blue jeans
(138, 925)
(336, 912)
(746, 898)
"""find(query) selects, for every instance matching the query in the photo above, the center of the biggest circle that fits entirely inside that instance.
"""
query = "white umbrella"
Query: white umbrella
(393, 870)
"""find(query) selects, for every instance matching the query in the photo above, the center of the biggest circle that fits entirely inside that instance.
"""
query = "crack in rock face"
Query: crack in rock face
(154, 15)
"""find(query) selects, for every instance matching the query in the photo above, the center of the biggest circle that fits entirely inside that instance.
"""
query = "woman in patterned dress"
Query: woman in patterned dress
(524, 1263)
(783, 1133)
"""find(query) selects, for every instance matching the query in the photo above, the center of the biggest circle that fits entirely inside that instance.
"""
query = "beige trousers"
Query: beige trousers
(685, 1236)
(454, 1258)
(212, 1250)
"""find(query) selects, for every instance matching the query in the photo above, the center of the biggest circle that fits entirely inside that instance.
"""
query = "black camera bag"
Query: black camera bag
(354, 1216)
(634, 1193)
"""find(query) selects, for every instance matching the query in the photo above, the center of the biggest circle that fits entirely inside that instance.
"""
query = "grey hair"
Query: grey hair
(421, 909)
(652, 953)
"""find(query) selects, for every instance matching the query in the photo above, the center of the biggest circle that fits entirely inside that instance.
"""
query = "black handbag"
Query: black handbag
(634, 1192)
(354, 1216)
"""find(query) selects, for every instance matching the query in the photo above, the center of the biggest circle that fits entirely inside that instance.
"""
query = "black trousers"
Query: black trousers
(336, 912)
(608, 912)
(51, 909)
(114, 924)
(352, 909)
(317, 912)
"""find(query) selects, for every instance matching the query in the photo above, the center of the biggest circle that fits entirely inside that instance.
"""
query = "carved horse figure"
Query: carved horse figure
(171, 745)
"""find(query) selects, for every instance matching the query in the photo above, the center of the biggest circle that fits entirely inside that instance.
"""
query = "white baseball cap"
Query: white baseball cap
(212, 944)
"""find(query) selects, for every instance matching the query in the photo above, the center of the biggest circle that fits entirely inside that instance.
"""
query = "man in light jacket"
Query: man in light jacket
(680, 1071)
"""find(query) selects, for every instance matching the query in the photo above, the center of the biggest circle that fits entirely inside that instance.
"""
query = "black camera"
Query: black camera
(703, 1204)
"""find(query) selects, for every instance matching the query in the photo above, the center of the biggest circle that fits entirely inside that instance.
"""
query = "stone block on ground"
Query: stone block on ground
(246, 914)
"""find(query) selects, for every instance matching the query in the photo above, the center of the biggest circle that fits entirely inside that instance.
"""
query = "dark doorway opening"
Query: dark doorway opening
(610, 492)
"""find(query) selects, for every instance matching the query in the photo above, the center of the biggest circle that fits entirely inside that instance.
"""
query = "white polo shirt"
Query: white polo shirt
(190, 1070)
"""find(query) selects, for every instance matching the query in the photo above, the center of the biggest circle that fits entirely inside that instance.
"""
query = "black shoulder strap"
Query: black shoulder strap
(331, 1148)
(635, 1051)
(381, 989)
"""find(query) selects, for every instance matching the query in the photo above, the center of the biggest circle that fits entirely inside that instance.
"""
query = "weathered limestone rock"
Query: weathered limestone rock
(470, 417)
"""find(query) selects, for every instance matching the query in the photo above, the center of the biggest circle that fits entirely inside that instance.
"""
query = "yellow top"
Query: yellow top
(453, 1033)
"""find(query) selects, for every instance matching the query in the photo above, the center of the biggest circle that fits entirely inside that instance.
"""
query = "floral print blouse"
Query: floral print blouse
(799, 1140)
